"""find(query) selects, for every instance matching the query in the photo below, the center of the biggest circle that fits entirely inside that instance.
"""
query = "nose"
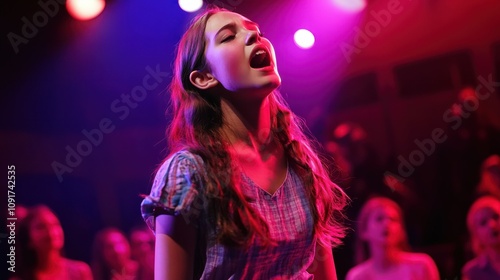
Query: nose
(252, 37)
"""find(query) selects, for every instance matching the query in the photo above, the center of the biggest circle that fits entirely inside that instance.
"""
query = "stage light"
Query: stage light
(190, 5)
(352, 6)
(304, 38)
(85, 9)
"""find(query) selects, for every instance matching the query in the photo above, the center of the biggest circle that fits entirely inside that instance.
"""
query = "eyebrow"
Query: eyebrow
(232, 25)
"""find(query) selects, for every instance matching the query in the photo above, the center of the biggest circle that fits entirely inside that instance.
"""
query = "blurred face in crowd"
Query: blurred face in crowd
(116, 250)
(141, 244)
(486, 226)
(45, 232)
(493, 174)
(384, 226)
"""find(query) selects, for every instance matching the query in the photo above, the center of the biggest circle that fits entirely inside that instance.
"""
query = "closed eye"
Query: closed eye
(227, 39)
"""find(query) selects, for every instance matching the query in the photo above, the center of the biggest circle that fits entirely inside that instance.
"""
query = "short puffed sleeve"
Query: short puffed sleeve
(176, 190)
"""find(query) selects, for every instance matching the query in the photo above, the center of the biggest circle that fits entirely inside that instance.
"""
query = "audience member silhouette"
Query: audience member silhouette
(40, 243)
(111, 258)
(483, 222)
(489, 183)
(142, 245)
(382, 246)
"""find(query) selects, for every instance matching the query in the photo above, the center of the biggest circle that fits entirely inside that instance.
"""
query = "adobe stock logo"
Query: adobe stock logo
(427, 146)
(39, 19)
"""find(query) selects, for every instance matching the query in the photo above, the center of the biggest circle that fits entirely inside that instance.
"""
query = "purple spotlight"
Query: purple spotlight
(352, 6)
(190, 5)
(304, 38)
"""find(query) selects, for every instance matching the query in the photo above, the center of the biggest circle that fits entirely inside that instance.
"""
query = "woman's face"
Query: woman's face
(142, 244)
(238, 56)
(492, 174)
(116, 250)
(46, 232)
(487, 226)
(384, 227)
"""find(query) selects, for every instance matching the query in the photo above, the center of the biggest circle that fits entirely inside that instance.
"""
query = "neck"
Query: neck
(49, 261)
(493, 256)
(247, 122)
(384, 256)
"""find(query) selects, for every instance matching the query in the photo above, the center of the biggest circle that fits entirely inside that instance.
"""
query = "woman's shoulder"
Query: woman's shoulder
(182, 159)
(359, 272)
(416, 258)
(420, 263)
(180, 163)
(78, 269)
(76, 263)
(185, 153)
(477, 263)
(177, 184)
(180, 156)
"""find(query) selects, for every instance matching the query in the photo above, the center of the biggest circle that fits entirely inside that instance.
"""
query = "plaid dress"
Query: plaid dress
(177, 190)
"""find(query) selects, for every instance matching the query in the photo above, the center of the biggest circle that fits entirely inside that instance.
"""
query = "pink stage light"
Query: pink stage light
(304, 38)
(190, 5)
(352, 6)
(85, 9)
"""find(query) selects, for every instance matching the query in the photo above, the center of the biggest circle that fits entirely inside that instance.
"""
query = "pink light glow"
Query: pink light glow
(85, 9)
(352, 6)
(304, 38)
(190, 5)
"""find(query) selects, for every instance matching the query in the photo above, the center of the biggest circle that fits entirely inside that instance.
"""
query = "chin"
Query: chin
(275, 85)
(269, 88)
(274, 81)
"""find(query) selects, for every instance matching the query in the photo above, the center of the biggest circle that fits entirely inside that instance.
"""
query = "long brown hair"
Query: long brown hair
(196, 126)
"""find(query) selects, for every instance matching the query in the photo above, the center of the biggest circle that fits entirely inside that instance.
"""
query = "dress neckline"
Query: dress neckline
(287, 174)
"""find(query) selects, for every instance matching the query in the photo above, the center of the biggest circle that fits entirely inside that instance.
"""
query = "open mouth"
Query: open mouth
(260, 58)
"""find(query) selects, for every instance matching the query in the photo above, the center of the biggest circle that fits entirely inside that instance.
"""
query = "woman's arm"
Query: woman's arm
(323, 266)
(174, 248)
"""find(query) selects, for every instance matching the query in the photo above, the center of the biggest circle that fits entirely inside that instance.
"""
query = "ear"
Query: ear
(202, 80)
